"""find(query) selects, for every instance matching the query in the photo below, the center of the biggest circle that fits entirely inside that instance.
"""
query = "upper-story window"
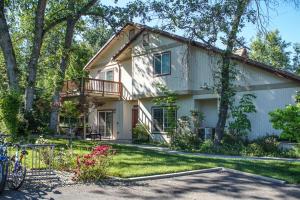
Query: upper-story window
(110, 75)
(162, 63)
(146, 39)
(131, 34)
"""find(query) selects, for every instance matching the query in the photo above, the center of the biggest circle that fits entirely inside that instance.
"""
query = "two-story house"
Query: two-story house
(123, 74)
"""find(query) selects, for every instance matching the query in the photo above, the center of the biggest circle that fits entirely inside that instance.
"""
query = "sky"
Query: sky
(284, 17)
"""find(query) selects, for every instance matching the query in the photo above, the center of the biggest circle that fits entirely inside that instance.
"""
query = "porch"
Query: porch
(91, 87)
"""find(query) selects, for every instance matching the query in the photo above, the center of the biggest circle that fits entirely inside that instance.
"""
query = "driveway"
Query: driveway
(206, 186)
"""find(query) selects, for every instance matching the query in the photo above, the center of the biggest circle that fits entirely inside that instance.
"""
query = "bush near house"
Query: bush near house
(265, 146)
(140, 134)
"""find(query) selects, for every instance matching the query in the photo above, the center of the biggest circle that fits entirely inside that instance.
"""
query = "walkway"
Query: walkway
(167, 150)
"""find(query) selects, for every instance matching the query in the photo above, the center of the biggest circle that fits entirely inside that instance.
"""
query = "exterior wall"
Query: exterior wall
(267, 101)
(209, 107)
(126, 78)
(203, 64)
(143, 75)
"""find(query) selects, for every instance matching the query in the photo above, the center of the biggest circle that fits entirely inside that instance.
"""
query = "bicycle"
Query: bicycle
(11, 169)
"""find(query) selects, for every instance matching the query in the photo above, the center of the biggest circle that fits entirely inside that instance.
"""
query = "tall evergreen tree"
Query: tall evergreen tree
(271, 49)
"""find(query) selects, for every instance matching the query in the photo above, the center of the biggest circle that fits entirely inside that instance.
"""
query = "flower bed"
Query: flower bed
(94, 166)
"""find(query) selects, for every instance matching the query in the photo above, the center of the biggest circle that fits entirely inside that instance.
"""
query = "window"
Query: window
(146, 39)
(110, 75)
(163, 119)
(162, 63)
(131, 34)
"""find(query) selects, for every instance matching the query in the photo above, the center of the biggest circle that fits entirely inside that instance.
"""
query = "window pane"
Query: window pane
(109, 75)
(166, 63)
(169, 119)
(157, 119)
(157, 64)
(146, 39)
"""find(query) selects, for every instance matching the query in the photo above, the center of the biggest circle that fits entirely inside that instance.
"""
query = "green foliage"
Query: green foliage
(70, 109)
(271, 49)
(64, 159)
(197, 118)
(287, 120)
(184, 138)
(296, 58)
(10, 116)
(264, 146)
(241, 124)
(140, 134)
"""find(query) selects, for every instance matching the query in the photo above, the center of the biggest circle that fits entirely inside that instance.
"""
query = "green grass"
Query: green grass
(131, 162)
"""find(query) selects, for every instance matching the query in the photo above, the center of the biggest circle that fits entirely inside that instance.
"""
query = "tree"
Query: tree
(8, 50)
(271, 49)
(115, 17)
(296, 58)
(287, 120)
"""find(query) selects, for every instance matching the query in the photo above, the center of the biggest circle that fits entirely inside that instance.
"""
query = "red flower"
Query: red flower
(89, 162)
(88, 156)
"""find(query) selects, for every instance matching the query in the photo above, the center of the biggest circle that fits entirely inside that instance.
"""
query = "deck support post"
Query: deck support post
(84, 125)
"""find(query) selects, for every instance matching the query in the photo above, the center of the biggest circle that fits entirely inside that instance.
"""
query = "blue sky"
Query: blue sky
(285, 18)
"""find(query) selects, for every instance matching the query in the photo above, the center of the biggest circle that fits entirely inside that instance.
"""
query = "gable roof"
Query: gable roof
(107, 44)
(142, 28)
(253, 63)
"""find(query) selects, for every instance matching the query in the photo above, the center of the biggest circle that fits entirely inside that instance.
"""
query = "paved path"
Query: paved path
(167, 150)
(207, 186)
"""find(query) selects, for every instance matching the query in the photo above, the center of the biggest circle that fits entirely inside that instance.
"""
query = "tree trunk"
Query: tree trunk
(71, 22)
(35, 54)
(63, 66)
(8, 51)
(225, 70)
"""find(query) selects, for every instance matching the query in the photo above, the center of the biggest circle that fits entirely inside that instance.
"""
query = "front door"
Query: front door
(105, 123)
(135, 116)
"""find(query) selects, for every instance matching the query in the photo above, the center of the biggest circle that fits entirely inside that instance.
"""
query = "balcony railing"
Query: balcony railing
(86, 86)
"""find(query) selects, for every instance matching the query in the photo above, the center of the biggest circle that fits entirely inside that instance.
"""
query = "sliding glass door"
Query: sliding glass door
(105, 120)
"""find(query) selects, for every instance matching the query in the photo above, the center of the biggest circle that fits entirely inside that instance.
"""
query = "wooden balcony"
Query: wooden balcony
(91, 87)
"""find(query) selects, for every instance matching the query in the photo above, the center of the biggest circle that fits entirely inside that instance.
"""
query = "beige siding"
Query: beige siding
(143, 78)
(203, 65)
(267, 101)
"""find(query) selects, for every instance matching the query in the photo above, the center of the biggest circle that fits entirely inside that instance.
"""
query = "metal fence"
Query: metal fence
(39, 161)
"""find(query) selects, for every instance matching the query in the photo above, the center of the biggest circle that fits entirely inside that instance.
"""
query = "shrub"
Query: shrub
(10, 103)
(140, 134)
(287, 120)
(64, 159)
(253, 149)
(94, 166)
(184, 138)
(241, 125)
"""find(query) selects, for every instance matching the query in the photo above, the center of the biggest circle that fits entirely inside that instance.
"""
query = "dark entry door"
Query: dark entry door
(135, 116)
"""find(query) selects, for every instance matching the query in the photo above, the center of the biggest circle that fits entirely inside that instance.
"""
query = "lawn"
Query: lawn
(131, 162)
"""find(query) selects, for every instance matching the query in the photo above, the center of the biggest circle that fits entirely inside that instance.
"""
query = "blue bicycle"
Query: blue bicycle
(11, 169)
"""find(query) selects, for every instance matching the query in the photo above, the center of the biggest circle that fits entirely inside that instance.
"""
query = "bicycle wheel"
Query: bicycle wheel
(16, 177)
(3, 175)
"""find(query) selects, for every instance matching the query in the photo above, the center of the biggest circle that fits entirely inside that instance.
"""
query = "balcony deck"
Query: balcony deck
(91, 87)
